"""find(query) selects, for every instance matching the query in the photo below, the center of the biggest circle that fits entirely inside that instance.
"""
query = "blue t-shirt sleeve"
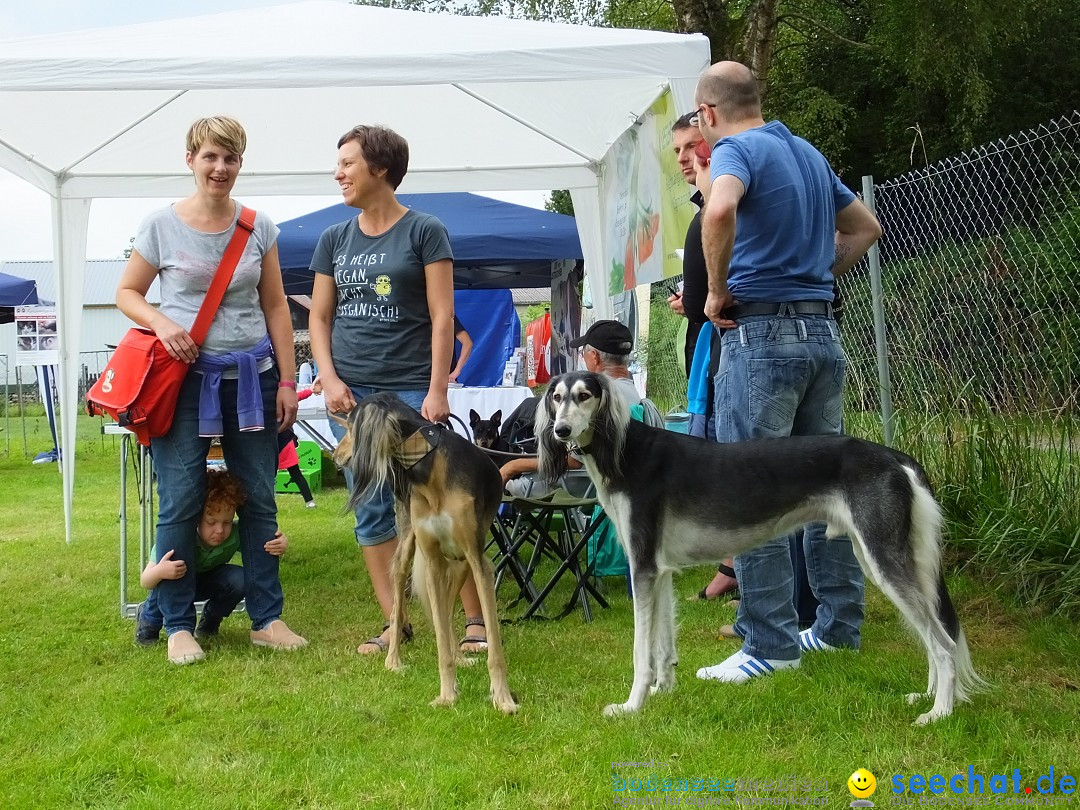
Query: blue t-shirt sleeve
(729, 157)
(842, 195)
(322, 260)
(434, 242)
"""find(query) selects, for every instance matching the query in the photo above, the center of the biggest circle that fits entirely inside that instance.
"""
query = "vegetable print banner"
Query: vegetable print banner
(647, 211)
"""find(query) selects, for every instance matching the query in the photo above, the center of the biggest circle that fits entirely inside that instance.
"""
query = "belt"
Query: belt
(780, 308)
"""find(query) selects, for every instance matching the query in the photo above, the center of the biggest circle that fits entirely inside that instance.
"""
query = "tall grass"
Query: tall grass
(1008, 486)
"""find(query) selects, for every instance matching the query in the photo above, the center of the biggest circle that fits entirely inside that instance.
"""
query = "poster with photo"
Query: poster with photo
(566, 276)
(37, 341)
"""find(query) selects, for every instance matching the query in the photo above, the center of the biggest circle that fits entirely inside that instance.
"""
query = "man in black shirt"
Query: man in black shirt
(690, 301)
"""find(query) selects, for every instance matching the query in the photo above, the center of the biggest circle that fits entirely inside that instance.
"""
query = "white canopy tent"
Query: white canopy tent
(486, 104)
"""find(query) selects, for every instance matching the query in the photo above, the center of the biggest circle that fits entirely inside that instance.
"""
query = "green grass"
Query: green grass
(88, 720)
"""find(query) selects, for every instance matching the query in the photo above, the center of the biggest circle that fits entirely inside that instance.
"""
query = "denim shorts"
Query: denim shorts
(375, 522)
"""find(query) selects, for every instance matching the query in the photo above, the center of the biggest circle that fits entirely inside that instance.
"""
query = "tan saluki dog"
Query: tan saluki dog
(446, 494)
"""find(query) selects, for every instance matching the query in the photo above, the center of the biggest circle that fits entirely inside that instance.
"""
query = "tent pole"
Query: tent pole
(70, 220)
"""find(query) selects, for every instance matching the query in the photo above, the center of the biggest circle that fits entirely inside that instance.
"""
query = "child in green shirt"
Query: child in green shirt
(217, 580)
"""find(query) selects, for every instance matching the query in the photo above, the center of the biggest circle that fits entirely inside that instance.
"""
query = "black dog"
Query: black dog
(485, 432)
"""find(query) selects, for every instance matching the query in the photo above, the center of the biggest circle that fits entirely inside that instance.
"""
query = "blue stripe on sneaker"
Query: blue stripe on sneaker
(756, 666)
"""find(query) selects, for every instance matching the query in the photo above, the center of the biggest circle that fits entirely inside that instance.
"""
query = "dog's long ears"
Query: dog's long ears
(552, 452)
(609, 431)
(375, 434)
(341, 420)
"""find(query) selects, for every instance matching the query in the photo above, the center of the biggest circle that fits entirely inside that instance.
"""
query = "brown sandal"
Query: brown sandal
(406, 637)
(479, 641)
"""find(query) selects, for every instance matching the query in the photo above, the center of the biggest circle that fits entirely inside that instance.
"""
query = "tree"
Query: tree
(856, 77)
(560, 202)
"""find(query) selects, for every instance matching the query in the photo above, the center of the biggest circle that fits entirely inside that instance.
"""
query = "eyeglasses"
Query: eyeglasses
(696, 117)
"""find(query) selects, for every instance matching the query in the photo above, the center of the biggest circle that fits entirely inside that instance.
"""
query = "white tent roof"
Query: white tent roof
(485, 103)
(109, 108)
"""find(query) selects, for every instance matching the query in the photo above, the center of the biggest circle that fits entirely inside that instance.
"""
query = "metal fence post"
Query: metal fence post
(877, 295)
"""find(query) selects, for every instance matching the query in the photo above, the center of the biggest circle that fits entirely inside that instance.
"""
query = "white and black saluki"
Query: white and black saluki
(676, 501)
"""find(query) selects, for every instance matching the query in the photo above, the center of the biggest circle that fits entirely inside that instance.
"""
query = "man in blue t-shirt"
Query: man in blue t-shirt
(777, 228)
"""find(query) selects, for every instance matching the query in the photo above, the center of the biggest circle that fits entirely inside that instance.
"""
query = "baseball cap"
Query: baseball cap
(606, 336)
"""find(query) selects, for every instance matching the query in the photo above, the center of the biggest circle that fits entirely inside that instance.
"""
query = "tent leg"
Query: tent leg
(70, 220)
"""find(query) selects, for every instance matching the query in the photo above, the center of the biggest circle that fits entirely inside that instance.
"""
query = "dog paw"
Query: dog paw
(665, 686)
(394, 664)
(504, 703)
(929, 717)
(441, 700)
(615, 709)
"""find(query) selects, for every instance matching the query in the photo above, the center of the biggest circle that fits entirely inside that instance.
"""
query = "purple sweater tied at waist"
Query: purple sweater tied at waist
(249, 405)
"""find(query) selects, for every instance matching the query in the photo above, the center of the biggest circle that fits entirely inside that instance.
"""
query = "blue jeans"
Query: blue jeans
(221, 587)
(375, 523)
(180, 463)
(784, 376)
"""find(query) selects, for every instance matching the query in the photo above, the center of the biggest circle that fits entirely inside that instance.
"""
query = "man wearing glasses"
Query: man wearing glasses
(778, 228)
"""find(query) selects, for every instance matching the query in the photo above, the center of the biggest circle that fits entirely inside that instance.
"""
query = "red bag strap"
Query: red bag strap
(235, 249)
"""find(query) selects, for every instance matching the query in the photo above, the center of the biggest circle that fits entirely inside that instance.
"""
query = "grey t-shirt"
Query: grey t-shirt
(381, 336)
(187, 260)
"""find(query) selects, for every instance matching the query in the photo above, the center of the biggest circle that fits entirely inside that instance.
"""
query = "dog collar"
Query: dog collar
(416, 447)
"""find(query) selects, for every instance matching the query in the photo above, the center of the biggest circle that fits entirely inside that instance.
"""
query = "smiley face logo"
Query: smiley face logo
(862, 784)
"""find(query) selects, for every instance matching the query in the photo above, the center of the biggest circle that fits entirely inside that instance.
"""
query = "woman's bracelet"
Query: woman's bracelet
(287, 384)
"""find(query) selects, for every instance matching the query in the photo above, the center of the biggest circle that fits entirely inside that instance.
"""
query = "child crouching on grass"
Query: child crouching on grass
(217, 580)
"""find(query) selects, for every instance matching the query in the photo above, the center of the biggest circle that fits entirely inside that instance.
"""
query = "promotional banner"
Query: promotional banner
(647, 211)
(37, 343)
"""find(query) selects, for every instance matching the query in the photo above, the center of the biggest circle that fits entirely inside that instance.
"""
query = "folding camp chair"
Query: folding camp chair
(559, 524)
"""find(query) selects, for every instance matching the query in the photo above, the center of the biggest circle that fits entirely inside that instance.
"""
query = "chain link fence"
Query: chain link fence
(980, 280)
(981, 285)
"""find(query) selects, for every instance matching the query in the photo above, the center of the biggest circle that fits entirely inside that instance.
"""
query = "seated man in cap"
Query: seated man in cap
(605, 349)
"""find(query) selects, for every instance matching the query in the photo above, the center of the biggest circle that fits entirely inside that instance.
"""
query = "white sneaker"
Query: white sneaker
(740, 668)
(310, 504)
(808, 642)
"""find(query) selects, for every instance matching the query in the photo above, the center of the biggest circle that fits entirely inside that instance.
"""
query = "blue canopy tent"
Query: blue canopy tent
(497, 246)
(15, 292)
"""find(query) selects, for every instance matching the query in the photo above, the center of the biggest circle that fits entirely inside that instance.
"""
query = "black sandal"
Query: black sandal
(480, 641)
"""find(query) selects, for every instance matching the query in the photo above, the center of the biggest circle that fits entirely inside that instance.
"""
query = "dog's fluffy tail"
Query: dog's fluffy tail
(926, 522)
(376, 437)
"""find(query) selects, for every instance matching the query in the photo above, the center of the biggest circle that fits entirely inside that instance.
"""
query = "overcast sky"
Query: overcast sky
(25, 217)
